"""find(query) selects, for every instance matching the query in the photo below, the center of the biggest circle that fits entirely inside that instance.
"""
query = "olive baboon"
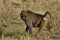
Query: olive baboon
(32, 19)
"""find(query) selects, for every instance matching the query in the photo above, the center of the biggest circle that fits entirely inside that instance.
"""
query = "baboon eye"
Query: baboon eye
(44, 18)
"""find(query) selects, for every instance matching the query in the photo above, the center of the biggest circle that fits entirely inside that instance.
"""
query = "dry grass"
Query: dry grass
(13, 28)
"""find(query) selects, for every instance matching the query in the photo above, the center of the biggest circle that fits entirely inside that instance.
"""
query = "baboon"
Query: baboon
(32, 19)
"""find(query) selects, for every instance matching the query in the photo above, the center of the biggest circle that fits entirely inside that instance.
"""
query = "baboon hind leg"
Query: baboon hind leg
(42, 25)
(48, 27)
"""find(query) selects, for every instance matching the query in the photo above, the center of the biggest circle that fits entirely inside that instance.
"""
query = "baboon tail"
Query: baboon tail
(50, 17)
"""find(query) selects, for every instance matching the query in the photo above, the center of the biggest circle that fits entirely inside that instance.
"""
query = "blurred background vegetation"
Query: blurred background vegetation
(12, 26)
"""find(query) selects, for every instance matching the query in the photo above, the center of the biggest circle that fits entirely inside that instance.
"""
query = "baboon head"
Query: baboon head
(23, 16)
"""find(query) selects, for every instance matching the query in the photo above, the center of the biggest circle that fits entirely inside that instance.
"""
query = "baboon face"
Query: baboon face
(23, 16)
(32, 19)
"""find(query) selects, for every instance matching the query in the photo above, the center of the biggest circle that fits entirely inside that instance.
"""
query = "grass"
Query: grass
(13, 28)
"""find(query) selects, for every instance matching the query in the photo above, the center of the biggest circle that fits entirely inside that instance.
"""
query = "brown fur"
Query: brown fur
(32, 19)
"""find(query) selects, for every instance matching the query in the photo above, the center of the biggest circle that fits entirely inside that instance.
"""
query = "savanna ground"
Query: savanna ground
(13, 28)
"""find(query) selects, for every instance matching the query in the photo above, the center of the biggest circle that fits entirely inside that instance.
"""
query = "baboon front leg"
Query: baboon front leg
(29, 27)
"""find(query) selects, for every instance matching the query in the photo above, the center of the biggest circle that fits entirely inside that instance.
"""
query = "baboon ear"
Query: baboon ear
(44, 18)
